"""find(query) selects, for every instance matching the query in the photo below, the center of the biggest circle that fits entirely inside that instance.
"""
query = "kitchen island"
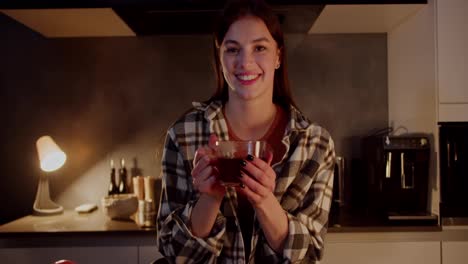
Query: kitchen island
(94, 238)
(83, 238)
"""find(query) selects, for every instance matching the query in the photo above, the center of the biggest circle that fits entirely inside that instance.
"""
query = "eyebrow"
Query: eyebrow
(230, 41)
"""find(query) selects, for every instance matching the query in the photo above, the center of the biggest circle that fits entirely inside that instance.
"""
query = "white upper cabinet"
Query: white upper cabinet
(452, 55)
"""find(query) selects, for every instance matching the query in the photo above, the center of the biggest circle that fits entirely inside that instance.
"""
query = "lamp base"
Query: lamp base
(52, 211)
(43, 205)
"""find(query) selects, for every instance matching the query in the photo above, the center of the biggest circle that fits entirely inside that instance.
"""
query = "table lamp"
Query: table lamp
(51, 158)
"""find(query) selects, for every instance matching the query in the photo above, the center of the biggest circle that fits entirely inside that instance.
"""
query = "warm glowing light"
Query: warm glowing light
(51, 157)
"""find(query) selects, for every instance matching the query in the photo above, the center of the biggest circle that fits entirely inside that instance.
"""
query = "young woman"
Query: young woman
(280, 212)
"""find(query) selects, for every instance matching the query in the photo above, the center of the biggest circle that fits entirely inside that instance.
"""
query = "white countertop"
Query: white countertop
(69, 221)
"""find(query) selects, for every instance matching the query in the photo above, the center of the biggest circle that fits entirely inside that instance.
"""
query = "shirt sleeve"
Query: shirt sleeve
(308, 223)
(175, 240)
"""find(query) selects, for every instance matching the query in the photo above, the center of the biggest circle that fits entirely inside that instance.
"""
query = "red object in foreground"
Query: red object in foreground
(64, 261)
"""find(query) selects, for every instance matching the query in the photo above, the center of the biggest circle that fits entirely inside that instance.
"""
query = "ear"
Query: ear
(278, 56)
(278, 59)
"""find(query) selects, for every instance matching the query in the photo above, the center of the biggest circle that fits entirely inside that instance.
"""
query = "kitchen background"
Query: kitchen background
(103, 98)
(425, 84)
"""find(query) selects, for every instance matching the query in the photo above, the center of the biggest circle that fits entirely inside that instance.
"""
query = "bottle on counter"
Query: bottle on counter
(123, 185)
(113, 189)
(135, 172)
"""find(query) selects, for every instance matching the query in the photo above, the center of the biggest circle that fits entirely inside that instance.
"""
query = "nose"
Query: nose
(244, 59)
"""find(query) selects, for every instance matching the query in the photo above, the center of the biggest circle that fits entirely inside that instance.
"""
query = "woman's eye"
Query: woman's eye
(260, 48)
(232, 50)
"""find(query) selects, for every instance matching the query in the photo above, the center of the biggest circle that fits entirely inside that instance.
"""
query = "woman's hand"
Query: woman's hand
(205, 174)
(259, 179)
(205, 181)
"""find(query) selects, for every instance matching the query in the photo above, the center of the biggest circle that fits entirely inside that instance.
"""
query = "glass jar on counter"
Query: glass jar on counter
(146, 213)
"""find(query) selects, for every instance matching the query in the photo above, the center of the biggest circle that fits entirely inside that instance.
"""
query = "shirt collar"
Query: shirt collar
(297, 120)
(214, 108)
(211, 109)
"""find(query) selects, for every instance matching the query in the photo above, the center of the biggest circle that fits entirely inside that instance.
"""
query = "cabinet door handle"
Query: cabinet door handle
(403, 175)
(448, 154)
(388, 166)
(455, 153)
(340, 162)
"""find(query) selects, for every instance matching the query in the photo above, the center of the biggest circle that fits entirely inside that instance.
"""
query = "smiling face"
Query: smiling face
(249, 56)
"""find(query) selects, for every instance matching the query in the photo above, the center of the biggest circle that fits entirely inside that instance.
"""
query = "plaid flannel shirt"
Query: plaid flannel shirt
(304, 186)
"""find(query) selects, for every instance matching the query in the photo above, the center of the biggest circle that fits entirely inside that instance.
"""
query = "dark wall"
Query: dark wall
(103, 98)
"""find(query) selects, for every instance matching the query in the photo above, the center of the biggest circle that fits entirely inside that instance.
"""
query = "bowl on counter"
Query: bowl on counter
(120, 206)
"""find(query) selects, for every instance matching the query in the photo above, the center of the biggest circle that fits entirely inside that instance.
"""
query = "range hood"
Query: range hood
(85, 18)
(150, 21)
(143, 17)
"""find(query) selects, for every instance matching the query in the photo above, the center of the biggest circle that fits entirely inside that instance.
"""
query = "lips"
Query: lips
(247, 78)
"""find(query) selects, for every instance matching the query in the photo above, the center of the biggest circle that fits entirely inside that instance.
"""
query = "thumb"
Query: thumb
(212, 140)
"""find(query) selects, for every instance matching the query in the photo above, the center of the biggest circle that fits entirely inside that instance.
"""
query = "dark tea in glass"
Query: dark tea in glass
(229, 155)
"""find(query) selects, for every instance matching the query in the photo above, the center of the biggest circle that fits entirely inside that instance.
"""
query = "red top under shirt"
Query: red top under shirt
(273, 137)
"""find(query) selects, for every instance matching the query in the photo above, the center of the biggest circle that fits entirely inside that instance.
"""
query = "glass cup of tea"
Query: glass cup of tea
(229, 155)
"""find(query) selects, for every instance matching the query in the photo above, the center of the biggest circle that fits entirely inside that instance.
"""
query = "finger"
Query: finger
(205, 150)
(212, 141)
(212, 180)
(253, 185)
(260, 170)
(254, 172)
(204, 186)
(198, 155)
(259, 163)
(201, 165)
(247, 192)
(241, 190)
(215, 171)
(212, 186)
(204, 175)
(269, 157)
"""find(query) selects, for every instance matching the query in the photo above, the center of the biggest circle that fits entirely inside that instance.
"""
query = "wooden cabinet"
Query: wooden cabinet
(382, 253)
(148, 254)
(452, 59)
(98, 255)
(454, 252)
(82, 238)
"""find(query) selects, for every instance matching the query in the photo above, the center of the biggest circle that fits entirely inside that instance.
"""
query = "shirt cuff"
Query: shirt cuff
(215, 240)
(298, 240)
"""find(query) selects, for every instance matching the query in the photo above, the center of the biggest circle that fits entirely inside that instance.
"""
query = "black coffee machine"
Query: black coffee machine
(397, 173)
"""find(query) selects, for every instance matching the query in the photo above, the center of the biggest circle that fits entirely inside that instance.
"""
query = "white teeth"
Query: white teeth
(247, 77)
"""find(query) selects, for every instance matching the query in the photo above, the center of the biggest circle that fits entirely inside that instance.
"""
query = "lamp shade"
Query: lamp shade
(51, 157)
